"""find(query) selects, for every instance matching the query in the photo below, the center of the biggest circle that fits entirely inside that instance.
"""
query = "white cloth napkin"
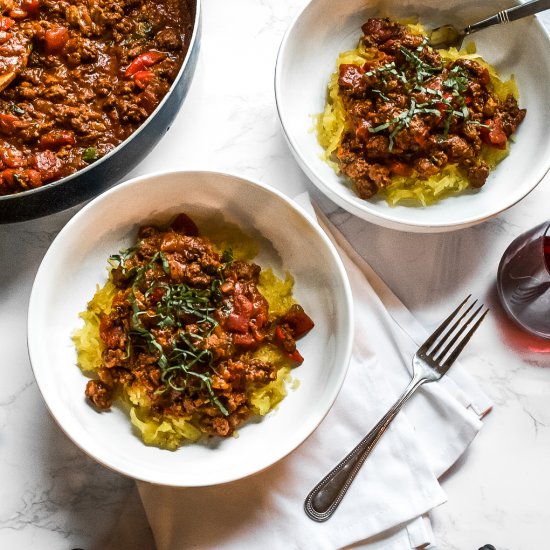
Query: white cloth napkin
(386, 507)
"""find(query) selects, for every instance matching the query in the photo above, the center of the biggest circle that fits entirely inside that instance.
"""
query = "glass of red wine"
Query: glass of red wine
(523, 280)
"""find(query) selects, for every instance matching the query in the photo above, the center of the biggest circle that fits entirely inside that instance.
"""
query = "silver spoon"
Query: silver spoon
(448, 36)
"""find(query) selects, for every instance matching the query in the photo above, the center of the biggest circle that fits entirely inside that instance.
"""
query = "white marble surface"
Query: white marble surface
(55, 497)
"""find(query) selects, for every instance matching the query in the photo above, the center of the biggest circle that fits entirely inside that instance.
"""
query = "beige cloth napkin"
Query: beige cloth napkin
(387, 505)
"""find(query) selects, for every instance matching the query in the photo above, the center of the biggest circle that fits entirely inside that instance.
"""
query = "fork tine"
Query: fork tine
(438, 345)
(461, 345)
(454, 339)
(439, 330)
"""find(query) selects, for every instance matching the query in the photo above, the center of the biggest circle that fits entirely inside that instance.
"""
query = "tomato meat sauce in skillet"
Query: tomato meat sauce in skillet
(78, 77)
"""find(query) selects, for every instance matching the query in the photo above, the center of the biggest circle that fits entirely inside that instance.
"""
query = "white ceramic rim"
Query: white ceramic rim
(93, 449)
(364, 212)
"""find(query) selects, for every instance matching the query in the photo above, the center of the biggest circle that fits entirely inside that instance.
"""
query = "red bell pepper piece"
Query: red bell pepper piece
(296, 357)
(142, 78)
(494, 135)
(298, 321)
(286, 343)
(184, 224)
(143, 61)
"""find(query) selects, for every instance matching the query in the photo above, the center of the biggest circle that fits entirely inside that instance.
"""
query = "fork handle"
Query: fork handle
(511, 14)
(325, 497)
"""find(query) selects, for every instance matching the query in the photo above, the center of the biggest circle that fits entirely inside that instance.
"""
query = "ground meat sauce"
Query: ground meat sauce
(77, 77)
(411, 113)
(183, 328)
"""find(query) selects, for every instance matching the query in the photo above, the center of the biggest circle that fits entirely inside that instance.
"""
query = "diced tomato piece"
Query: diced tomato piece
(147, 100)
(239, 318)
(260, 312)
(156, 295)
(435, 84)
(236, 323)
(56, 139)
(245, 340)
(9, 177)
(443, 107)
(7, 183)
(55, 39)
(494, 135)
(6, 23)
(143, 61)
(280, 336)
(5, 36)
(47, 164)
(399, 168)
(18, 13)
(350, 76)
(8, 124)
(21, 179)
(33, 177)
(12, 158)
(32, 7)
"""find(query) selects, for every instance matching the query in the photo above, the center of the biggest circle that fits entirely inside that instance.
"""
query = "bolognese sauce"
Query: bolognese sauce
(410, 111)
(77, 77)
(187, 334)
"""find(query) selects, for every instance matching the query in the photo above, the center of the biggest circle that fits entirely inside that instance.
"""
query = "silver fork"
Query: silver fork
(431, 361)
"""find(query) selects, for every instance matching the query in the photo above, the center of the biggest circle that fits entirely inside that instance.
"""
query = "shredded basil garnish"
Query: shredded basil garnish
(183, 362)
(416, 74)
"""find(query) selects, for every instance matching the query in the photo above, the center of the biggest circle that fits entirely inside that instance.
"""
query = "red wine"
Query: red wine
(523, 280)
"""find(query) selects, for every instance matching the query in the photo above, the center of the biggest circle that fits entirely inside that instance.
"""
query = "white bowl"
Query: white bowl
(307, 58)
(76, 263)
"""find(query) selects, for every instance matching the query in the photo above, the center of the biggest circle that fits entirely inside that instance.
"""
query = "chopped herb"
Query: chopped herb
(379, 93)
(227, 256)
(89, 154)
(183, 362)
(416, 74)
(144, 28)
(16, 110)
(480, 124)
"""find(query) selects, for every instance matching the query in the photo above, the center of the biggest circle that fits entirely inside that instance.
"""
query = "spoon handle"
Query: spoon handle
(511, 14)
